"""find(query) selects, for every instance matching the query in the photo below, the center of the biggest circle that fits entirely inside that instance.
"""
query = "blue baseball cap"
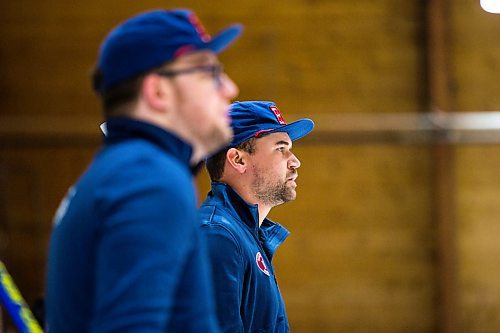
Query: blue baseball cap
(253, 119)
(153, 38)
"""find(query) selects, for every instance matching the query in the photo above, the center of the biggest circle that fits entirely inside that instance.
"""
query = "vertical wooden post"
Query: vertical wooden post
(440, 100)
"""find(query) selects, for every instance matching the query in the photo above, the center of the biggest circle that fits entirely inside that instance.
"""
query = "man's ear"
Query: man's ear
(155, 92)
(237, 159)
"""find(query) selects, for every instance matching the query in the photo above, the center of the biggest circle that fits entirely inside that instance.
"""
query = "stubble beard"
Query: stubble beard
(216, 139)
(269, 191)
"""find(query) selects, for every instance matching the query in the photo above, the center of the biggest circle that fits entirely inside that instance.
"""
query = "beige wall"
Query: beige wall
(362, 253)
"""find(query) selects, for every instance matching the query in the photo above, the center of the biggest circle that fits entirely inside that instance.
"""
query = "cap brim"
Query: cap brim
(224, 38)
(295, 130)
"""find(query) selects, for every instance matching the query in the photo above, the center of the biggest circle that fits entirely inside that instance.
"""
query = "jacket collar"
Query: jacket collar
(271, 234)
(123, 128)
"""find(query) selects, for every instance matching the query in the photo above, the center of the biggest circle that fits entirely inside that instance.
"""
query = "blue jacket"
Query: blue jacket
(126, 254)
(246, 289)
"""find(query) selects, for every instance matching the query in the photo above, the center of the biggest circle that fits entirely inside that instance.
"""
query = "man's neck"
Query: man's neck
(263, 211)
(245, 193)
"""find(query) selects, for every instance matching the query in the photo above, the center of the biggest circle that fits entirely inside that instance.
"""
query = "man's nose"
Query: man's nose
(294, 162)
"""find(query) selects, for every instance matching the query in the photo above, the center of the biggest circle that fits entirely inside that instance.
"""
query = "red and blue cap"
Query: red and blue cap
(253, 119)
(150, 39)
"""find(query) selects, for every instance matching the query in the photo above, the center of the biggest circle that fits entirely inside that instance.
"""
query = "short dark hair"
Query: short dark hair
(115, 100)
(215, 164)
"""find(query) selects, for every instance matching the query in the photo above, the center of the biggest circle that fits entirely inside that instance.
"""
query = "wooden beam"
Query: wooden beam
(440, 100)
(52, 130)
(430, 128)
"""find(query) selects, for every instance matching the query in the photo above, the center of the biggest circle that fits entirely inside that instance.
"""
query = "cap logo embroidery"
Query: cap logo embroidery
(200, 29)
(261, 264)
(277, 114)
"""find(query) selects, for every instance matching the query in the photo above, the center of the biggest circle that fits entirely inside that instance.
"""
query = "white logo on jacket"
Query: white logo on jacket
(261, 264)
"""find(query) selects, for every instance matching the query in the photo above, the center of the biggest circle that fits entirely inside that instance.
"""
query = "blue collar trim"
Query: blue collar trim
(270, 233)
(122, 128)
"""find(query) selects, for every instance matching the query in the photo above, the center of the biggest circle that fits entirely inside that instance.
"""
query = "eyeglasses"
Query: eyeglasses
(215, 71)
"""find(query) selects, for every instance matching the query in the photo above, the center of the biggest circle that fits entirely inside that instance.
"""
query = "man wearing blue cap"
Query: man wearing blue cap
(126, 253)
(256, 172)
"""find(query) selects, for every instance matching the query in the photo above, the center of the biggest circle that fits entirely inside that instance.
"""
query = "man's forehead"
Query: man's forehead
(276, 138)
(197, 58)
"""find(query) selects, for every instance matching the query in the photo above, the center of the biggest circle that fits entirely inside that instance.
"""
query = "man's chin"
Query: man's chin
(218, 140)
(225, 136)
(291, 195)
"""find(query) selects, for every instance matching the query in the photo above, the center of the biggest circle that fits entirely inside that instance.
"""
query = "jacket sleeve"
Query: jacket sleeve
(228, 272)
